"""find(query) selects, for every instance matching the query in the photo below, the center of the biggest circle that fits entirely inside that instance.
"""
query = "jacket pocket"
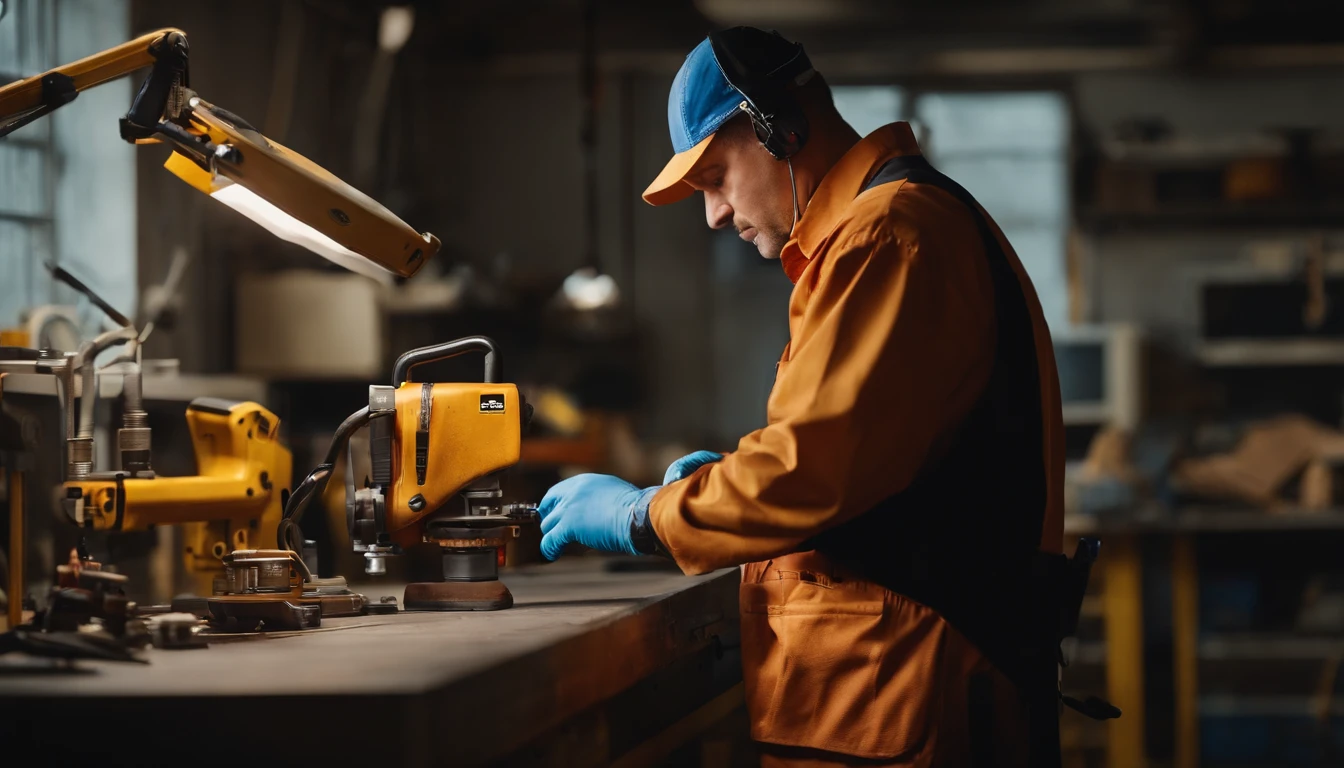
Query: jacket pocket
(843, 668)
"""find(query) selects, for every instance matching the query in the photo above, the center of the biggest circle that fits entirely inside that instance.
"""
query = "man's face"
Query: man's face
(746, 188)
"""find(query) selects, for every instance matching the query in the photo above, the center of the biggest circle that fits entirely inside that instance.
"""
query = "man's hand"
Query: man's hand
(683, 467)
(593, 510)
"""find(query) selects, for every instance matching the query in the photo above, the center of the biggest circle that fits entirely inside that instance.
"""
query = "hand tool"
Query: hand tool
(273, 589)
(87, 616)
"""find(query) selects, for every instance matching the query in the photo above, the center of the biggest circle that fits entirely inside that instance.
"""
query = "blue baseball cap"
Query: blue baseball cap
(704, 98)
(701, 101)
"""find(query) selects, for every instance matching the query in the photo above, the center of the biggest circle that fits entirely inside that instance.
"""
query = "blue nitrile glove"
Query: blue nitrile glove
(683, 467)
(593, 510)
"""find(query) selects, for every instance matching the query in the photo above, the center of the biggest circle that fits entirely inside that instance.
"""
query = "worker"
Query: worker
(891, 513)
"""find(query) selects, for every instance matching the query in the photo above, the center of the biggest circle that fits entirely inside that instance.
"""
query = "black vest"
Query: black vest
(964, 538)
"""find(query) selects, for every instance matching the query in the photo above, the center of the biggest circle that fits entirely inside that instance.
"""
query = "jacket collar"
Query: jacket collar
(839, 187)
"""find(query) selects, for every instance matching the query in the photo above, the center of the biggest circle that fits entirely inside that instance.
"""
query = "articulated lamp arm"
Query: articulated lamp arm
(223, 156)
(166, 49)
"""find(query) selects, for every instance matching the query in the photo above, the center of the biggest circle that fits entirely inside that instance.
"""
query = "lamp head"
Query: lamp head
(394, 27)
(294, 198)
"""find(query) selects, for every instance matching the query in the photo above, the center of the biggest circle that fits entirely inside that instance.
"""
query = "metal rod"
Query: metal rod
(60, 274)
(1123, 601)
(629, 191)
(1185, 648)
(588, 137)
(84, 359)
(16, 534)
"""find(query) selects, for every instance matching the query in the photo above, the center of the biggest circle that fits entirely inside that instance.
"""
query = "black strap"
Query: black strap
(964, 539)
(996, 461)
(980, 719)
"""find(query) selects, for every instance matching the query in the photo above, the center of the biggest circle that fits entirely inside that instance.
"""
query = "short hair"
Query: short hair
(738, 130)
(815, 95)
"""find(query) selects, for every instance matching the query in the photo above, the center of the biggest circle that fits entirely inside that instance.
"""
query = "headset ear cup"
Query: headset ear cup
(767, 137)
(789, 134)
(782, 138)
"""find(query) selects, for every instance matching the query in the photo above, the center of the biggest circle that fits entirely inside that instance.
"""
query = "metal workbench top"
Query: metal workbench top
(413, 688)
(174, 387)
(1203, 518)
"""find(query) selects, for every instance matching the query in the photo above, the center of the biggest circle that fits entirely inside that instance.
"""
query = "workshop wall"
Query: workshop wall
(1149, 272)
(483, 151)
(503, 176)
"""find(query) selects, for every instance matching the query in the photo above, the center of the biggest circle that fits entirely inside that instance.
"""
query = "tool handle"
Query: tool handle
(401, 372)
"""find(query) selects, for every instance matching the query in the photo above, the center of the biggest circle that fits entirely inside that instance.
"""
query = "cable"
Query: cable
(794, 187)
(343, 433)
(298, 504)
(316, 482)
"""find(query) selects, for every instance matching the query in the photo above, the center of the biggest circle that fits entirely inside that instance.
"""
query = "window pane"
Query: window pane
(23, 179)
(15, 264)
(868, 107)
(1041, 250)
(85, 203)
(1013, 188)
(23, 38)
(969, 122)
(1010, 150)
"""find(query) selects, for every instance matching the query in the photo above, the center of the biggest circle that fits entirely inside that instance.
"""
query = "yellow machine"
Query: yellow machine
(244, 471)
(235, 502)
(436, 452)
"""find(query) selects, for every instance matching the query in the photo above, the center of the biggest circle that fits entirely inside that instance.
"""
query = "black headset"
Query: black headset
(775, 113)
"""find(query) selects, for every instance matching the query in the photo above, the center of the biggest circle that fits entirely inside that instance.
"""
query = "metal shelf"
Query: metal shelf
(1262, 352)
(1267, 646)
(1225, 705)
(1211, 518)
(176, 387)
(1229, 519)
(1177, 216)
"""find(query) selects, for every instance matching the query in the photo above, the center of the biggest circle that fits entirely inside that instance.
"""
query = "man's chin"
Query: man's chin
(770, 249)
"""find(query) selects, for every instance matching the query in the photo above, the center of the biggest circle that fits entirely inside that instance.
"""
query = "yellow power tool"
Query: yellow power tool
(436, 452)
(235, 502)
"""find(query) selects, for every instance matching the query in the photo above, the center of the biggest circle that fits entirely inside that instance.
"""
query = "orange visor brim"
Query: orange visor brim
(671, 185)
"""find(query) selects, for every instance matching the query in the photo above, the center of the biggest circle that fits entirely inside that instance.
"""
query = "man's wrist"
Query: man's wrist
(642, 535)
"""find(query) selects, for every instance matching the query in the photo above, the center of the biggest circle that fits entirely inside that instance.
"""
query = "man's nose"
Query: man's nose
(718, 213)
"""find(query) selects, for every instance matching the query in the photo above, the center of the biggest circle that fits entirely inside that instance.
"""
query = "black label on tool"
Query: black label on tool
(492, 403)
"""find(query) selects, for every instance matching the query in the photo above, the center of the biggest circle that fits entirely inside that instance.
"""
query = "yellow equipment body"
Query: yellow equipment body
(234, 502)
(466, 442)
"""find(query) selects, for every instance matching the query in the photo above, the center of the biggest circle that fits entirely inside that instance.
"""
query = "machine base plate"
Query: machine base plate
(457, 596)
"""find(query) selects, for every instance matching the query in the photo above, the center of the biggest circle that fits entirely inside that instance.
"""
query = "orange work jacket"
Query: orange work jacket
(892, 345)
